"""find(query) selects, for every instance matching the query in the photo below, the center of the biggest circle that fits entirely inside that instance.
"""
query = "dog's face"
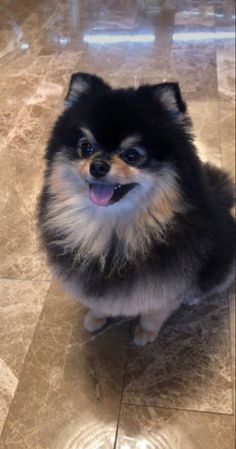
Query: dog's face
(113, 162)
(119, 143)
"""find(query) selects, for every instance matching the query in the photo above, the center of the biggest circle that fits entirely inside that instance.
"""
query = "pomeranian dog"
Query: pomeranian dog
(134, 224)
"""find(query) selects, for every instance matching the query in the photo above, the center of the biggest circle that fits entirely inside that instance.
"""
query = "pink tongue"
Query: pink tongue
(101, 194)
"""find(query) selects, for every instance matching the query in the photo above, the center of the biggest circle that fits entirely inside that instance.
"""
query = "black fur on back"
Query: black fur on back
(221, 186)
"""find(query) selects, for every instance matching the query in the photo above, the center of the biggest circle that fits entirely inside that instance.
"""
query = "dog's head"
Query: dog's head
(117, 156)
(122, 144)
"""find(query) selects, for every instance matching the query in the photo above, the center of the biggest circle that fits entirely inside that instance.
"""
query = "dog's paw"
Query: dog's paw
(92, 323)
(142, 337)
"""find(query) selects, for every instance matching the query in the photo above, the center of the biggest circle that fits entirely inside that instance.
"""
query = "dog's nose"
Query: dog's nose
(99, 168)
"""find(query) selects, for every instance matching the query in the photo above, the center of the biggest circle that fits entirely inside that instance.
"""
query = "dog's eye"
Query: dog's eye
(85, 149)
(133, 156)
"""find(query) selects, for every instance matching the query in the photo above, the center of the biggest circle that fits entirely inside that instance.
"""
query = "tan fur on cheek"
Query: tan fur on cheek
(165, 201)
(165, 204)
(58, 181)
(122, 171)
(84, 167)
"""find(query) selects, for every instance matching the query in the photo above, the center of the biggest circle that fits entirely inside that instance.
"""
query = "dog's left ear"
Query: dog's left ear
(81, 84)
(169, 95)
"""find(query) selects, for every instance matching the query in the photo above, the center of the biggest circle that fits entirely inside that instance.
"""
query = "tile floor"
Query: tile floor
(61, 388)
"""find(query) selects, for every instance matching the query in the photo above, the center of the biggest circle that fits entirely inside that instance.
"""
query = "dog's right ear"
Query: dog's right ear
(82, 84)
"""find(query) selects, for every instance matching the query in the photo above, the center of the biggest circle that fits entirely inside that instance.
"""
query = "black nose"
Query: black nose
(98, 169)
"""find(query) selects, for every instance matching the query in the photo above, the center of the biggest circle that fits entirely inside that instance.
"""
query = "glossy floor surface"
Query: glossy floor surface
(61, 388)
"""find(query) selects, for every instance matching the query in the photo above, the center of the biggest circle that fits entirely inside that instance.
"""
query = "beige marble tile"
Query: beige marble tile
(43, 78)
(22, 158)
(194, 67)
(65, 28)
(144, 63)
(227, 136)
(21, 257)
(13, 96)
(226, 87)
(109, 14)
(204, 113)
(202, 15)
(37, 35)
(21, 303)
(227, 10)
(150, 428)
(21, 42)
(69, 391)
(17, 13)
(105, 62)
(225, 54)
(7, 44)
(188, 367)
(214, 159)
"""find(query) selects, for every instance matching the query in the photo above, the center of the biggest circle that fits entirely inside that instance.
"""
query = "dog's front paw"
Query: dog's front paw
(142, 336)
(93, 323)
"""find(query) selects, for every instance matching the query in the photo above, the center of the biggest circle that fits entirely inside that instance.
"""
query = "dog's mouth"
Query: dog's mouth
(106, 194)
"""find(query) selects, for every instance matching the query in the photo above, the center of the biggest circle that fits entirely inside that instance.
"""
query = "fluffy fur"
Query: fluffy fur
(167, 240)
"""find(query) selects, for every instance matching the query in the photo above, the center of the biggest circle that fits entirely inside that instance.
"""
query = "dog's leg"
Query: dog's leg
(150, 324)
(94, 321)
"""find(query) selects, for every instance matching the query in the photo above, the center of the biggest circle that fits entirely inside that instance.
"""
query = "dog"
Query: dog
(133, 223)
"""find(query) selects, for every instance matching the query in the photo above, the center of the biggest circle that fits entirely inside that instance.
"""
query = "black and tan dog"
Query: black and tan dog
(133, 222)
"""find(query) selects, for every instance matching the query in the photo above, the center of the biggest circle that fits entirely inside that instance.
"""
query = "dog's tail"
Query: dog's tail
(221, 186)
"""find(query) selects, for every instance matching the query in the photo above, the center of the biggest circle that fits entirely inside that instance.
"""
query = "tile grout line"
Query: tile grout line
(26, 279)
(123, 387)
(133, 404)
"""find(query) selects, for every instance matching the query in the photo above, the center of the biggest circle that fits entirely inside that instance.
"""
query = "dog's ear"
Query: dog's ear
(83, 83)
(170, 96)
